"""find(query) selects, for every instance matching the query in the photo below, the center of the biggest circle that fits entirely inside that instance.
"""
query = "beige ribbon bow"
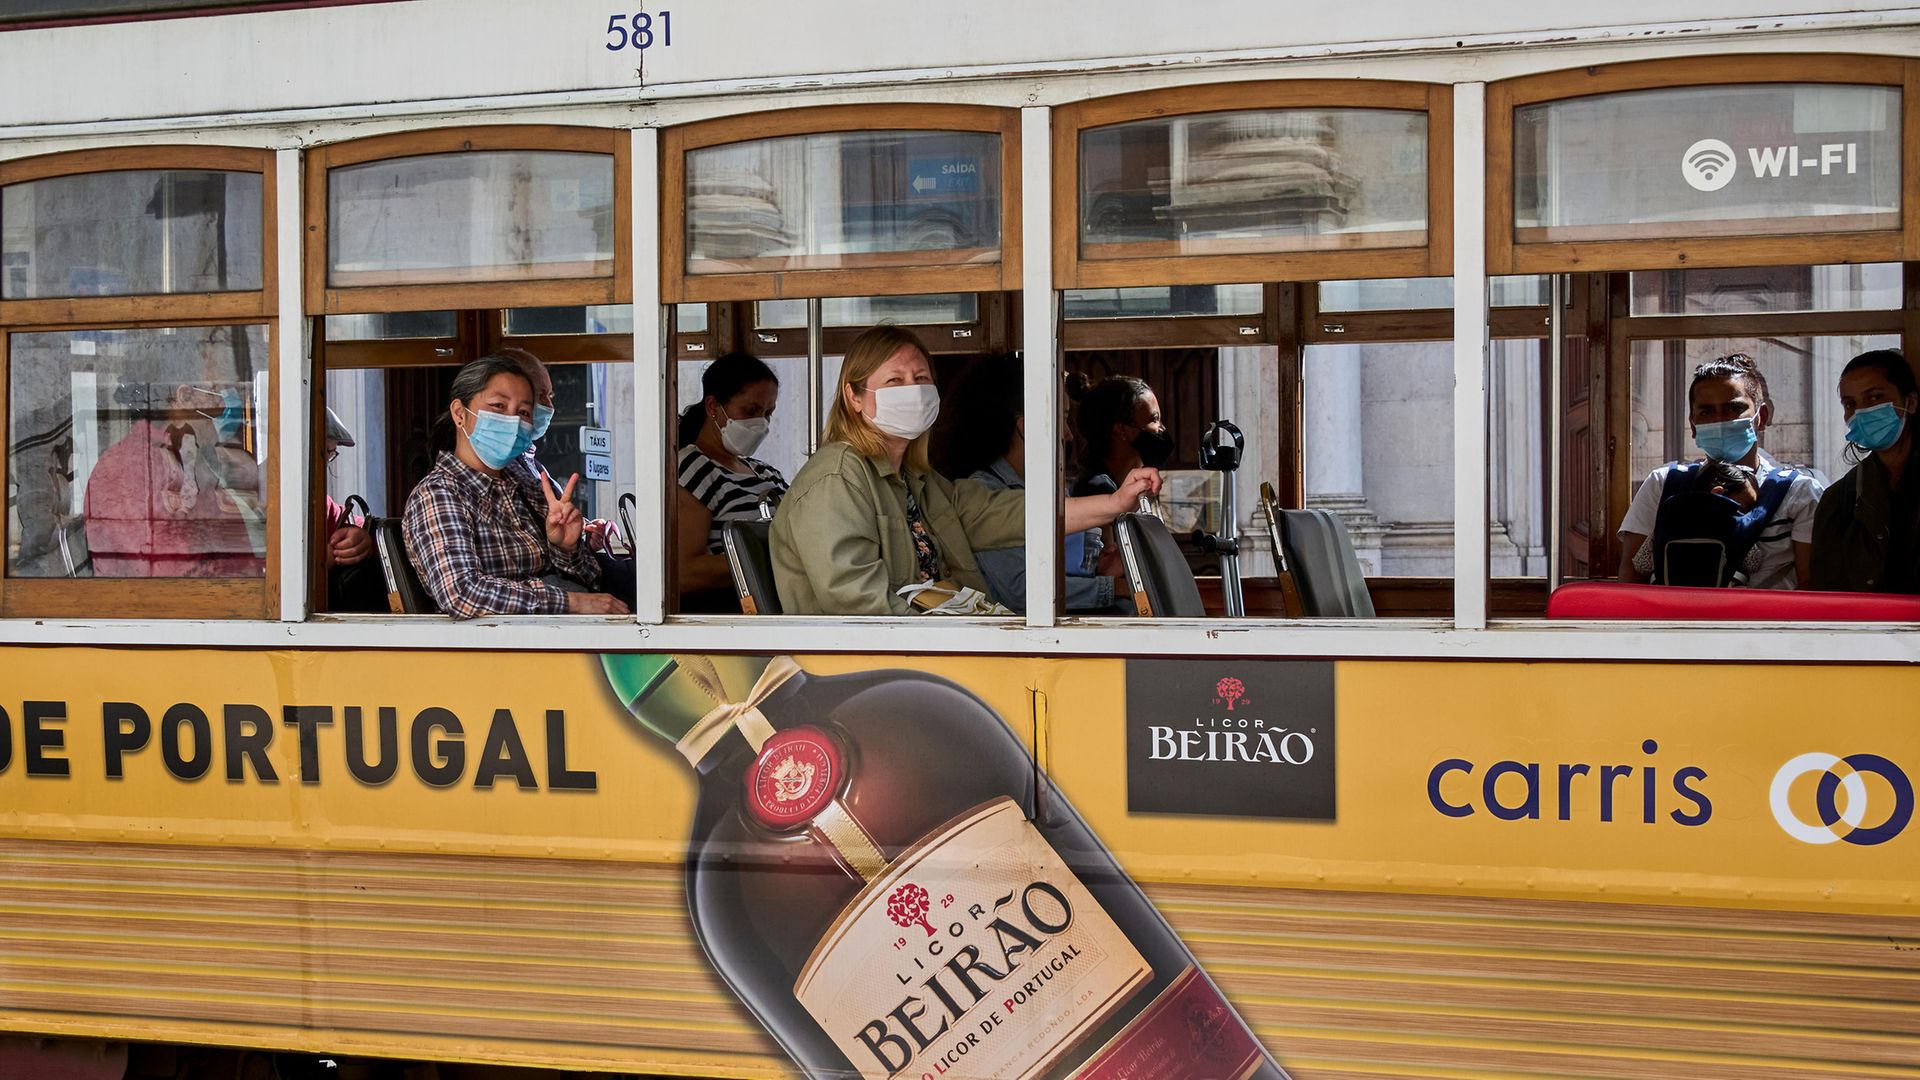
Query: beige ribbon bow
(744, 714)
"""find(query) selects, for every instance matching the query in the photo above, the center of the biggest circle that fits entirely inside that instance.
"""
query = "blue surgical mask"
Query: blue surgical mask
(495, 437)
(233, 417)
(523, 441)
(1728, 440)
(1877, 427)
(542, 419)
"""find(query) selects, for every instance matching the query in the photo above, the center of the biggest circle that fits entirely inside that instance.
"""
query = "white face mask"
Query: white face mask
(743, 437)
(906, 412)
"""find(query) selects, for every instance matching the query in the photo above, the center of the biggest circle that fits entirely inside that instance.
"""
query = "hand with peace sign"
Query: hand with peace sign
(564, 519)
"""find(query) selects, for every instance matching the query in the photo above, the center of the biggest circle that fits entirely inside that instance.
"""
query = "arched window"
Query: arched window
(137, 294)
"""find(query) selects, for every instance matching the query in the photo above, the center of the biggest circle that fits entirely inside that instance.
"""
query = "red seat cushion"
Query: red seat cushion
(1617, 600)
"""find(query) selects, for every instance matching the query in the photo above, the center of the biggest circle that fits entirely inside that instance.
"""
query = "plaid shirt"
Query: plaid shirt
(480, 546)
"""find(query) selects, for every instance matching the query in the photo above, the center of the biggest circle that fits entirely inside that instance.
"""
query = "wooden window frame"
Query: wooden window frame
(173, 307)
(181, 598)
(148, 598)
(1431, 259)
(677, 286)
(1507, 255)
(614, 288)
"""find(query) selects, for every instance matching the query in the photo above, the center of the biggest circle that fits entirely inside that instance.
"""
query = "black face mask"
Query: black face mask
(1154, 447)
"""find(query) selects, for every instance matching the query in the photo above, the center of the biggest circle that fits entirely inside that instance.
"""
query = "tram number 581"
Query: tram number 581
(641, 30)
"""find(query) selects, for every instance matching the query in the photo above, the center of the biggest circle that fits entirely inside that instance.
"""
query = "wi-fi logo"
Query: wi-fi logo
(1708, 165)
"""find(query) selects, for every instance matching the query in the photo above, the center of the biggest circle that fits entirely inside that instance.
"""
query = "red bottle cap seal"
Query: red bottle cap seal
(794, 778)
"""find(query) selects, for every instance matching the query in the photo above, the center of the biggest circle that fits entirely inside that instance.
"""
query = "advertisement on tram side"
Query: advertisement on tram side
(947, 866)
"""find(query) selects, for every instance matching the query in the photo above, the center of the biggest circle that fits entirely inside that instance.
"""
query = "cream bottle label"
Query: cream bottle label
(977, 954)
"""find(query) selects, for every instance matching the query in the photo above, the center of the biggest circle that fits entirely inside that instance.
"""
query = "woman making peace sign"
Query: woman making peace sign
(479, 541)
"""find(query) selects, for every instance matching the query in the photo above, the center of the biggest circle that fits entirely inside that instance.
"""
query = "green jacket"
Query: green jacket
(1854, 530)
(840, 544)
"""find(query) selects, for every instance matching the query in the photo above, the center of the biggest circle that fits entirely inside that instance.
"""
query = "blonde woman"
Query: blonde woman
(867, 516)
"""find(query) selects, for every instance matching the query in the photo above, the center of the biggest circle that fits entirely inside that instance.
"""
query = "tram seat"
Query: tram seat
(751, 560)
(1620, 600)
(405, 594)
(1163, 583)
(1326, 570)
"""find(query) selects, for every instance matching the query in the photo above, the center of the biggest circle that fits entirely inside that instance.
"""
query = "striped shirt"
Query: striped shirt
(729, 496)
(479, 544)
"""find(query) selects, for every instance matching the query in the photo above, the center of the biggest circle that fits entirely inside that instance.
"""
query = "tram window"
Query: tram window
(785, 446)
(1425, 294)
(1633, 165)
(1254, 181)
(476, 216)
(589, 319)
(1377, 437)
(392, 326)
(1170, 301)
(1802, 373)
(132, 233)
(395, 418)
(864, 311)
(976, 409)
(1517, 512)
(843, 200)
(138, 453)
(1779, 289)
(690, 318)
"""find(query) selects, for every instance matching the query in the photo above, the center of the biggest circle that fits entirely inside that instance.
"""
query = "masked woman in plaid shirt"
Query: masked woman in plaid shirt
(482, 543)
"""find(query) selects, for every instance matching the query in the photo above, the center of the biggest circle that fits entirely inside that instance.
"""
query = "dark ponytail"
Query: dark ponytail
(1888, 362)
(722, 381)
(1101, 405)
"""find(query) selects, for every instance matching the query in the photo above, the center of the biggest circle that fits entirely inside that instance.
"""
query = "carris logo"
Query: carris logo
(1711, 164)
(1833, 781)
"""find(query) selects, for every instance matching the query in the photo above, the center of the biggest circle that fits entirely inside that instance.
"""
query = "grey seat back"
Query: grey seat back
(749, 557)
(1325, 569)
(1162, 581)
(405, 593)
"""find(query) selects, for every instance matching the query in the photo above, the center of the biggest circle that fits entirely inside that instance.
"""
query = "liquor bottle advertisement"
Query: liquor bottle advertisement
(888, 866)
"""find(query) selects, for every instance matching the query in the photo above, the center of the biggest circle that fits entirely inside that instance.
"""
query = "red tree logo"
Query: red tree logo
(1230, 690)
(908, 907)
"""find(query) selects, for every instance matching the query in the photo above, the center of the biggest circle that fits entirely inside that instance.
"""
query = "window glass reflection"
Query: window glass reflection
(590, 319)
(1167, 301)
(844, 199)
(138, 453)
(1419, 294)
(926, 310)
(391, 326)
(1279, 180)
(135, 233)
(1767, 289)
(483, 216)
(1697, 161)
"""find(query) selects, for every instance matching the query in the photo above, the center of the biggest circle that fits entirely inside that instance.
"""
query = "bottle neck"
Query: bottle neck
(670, 696)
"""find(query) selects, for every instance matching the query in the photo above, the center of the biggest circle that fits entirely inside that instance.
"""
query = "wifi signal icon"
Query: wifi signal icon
(1708, 165)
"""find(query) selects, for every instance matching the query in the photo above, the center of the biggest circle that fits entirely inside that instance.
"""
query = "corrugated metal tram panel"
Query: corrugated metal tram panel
(593, 965)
